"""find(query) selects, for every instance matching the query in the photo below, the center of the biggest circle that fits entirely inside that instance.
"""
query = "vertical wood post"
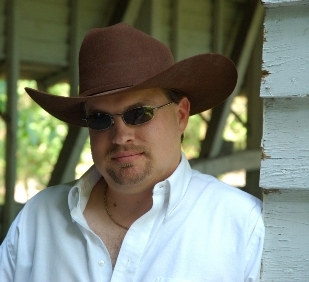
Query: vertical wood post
(12, 71)
(255, 113)
(285, 165)
(64, 169)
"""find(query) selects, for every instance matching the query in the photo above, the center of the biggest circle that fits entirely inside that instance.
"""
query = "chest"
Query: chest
(112, 238)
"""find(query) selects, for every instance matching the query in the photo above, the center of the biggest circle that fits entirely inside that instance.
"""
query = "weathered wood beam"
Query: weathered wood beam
(69, 156)
(132, 11)
(249, 160)
(155, 19)
(64, 169)
(119, 11)
(218, 26)
(11, 115)
(212, 143)
(255, 112)
(175, 33)
(54, 78)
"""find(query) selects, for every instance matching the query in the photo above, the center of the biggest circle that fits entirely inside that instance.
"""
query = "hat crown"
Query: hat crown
(119, 56)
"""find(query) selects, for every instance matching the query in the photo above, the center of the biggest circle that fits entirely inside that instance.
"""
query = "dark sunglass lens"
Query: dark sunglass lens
(99, 121)
(138, 115)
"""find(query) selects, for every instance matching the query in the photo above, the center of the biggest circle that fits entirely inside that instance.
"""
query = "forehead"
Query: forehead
(126, 99)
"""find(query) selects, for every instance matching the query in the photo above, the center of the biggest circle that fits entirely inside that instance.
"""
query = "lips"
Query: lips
(125, 156)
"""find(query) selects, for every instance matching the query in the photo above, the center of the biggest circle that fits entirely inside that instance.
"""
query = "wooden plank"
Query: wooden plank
(156, 22)
(132, 12)
(12, 75)
(196, 6)
(192, 28)
(43, 31)
(285, 133)
(286, 248)
(286, 173)
(2, 23)
(44, 11)
(2, 30)
(54, 1)
(2, 6)
(97, 6)
(141, 19)
(285, 56)
(166, 22)
(64, 170)
(95, 13)
(249, 160)
(2, 46)
(254, 112)
(218, 26)
(45, 52)
(283, 3)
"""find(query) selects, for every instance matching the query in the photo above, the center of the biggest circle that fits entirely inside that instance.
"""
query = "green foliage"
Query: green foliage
(194, 132)
(235, 130)
(39, 138)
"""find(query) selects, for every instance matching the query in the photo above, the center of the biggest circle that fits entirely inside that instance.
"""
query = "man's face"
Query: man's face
(135, 158)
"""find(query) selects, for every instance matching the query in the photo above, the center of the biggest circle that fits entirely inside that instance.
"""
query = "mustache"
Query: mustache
(131, 147)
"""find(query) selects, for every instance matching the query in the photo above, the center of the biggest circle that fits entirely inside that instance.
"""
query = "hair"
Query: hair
(175, 96)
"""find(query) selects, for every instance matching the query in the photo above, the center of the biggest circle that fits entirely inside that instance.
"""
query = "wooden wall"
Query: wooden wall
(2, 29)
(285, 164)
(44, 28)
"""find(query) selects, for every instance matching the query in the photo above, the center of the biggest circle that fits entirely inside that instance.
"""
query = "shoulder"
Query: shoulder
(222, 195)
(51, 195)
(48, 207)
(49, 202)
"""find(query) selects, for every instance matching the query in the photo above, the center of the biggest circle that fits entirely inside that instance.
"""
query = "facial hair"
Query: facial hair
(129, 173)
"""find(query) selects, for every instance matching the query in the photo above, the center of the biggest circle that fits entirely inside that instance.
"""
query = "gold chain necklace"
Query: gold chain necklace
(107, 211)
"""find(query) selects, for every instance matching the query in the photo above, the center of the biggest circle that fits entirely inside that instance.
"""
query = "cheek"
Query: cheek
(97, 144)
(166, 135)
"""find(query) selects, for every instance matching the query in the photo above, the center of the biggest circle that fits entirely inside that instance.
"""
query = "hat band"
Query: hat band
(102, 90)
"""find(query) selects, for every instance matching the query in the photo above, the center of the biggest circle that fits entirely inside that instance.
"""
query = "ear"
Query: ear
(183, 113)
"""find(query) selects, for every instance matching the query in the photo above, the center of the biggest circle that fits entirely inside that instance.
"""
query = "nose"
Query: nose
(121, 132)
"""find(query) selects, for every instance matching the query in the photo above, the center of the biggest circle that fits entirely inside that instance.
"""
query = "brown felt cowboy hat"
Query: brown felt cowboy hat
(120, 58)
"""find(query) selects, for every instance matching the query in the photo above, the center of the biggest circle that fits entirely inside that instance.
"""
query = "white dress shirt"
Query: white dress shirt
(198, 229)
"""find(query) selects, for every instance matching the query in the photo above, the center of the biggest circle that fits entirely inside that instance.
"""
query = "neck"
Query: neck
(125, 208)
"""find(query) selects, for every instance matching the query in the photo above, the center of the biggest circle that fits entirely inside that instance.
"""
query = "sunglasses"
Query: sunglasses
(136, 116)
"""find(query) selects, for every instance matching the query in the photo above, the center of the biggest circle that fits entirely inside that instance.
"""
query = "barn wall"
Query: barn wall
(2, 30)
(43, 31)
(44, 28)
(285, 142)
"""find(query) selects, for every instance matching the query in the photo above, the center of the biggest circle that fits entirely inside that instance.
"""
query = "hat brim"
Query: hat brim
(206, 79)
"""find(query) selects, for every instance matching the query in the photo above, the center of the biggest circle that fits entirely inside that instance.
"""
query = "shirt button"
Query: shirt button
(101, 263)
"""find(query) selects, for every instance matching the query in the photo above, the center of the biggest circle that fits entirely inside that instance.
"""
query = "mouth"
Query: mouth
(126, 156)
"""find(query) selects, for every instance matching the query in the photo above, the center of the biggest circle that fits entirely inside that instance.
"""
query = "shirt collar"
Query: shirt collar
(80, 192)
(175, 186)
(177, 183)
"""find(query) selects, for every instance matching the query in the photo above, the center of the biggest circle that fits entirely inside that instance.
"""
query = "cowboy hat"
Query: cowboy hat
(121, 59)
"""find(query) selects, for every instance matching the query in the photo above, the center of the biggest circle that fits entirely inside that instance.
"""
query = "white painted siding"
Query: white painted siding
(286, 252)
(285, 141)
(286, 52)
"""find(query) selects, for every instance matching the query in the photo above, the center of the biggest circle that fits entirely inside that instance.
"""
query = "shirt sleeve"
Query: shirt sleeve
(8, 254)
(255, 249)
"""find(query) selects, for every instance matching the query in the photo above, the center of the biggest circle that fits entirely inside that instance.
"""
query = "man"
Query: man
(140, 213)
